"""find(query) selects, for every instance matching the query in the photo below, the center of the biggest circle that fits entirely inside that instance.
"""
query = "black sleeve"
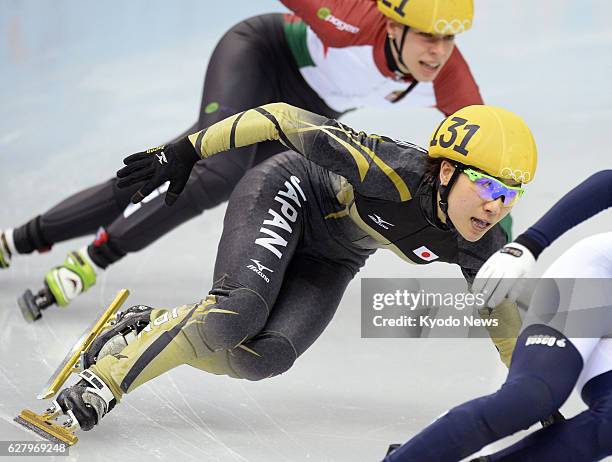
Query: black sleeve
(375, 166)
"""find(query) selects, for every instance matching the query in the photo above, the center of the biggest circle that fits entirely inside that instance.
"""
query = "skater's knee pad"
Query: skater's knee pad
(521, 401)
(539, 351)
(264, 356)
(536, 386)
(29, 237)
(233, 318)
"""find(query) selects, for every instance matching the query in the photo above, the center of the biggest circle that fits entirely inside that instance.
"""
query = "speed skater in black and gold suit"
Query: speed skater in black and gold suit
(299, 227)
(332, 56)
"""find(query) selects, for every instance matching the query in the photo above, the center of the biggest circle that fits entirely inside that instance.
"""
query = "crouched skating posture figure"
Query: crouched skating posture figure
(300, 226)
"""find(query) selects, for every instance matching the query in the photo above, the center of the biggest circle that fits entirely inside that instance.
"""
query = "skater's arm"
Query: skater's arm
(376, 166)
(584, 201)
(292, 126)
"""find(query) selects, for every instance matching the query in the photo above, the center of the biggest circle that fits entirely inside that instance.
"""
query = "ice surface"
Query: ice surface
(85, 83)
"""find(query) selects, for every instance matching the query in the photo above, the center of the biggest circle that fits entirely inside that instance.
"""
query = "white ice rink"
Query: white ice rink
(84, 83)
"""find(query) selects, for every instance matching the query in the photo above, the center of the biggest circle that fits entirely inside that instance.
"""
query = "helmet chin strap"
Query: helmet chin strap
(445, 191)
(399, 48)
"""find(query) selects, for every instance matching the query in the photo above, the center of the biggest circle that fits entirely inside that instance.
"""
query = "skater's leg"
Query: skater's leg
(78, 215)
(536, 386)
(311, 292)
(585, 437)
(248, 275)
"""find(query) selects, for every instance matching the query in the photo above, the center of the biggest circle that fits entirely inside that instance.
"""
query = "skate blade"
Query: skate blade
(70, 363)
(42, 425)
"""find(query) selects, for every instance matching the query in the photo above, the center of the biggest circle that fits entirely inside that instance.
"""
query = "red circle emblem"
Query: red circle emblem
(425, 255)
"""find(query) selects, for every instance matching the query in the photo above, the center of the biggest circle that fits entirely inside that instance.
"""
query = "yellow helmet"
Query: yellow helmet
(488, 138)
(445, 17)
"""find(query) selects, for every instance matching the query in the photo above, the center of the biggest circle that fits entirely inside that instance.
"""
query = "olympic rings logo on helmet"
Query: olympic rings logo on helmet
(516, 175)
(453, 27)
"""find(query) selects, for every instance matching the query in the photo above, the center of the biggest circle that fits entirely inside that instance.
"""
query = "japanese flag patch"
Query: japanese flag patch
(425, 254)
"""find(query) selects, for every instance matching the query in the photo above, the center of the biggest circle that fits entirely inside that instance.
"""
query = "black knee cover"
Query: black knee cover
(29, 237)
(234, 318)
(545, 367)
(547, 354)
(264, 356)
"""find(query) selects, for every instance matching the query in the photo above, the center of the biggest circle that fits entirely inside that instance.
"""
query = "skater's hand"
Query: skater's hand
(501, 275)
(156, 166)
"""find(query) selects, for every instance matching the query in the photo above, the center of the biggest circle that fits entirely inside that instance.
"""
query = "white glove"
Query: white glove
(502, 274)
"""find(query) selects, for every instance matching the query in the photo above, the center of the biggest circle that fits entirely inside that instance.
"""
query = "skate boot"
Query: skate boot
(62, 285)
(71, 278)
(5, 251)
(122, 330)
(86, 402)
(90, 399)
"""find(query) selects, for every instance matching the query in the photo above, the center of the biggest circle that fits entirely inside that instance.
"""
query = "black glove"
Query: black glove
(156, 166)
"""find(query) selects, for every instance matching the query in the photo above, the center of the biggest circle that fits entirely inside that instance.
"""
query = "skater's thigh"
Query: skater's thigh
(308, 300)
(263, 225)
(309, 296)
(598, 359)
